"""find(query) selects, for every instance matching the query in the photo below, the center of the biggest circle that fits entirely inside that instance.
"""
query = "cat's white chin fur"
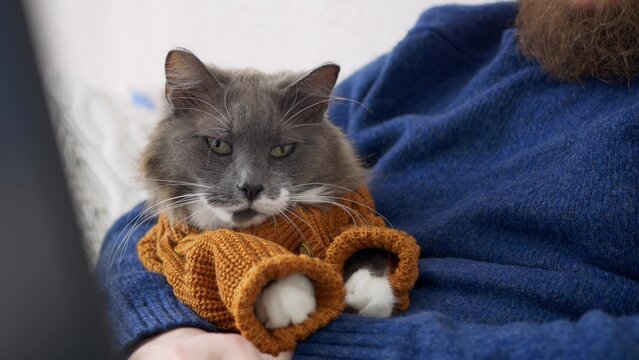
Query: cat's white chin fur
(286, 301)
(370, 295)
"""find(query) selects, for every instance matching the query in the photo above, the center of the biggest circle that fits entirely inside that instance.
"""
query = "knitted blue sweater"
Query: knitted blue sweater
(522, 192)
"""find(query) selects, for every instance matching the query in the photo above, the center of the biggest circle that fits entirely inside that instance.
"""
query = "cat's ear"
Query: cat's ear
(308, 97)
(187, 80)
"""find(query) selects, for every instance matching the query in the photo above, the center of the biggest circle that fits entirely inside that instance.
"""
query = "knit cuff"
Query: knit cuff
(403, 274)
(141, 305)
(329, 297)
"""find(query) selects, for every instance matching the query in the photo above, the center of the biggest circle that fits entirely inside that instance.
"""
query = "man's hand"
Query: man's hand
(196, 344)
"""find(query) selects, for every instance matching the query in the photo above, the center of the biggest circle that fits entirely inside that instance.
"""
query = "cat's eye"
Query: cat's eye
(281, 151)
(219, 146)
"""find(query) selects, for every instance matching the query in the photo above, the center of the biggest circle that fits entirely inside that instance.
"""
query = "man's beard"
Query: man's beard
(574, 44)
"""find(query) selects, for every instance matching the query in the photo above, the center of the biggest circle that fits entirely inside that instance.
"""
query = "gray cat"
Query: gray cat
(241, 146)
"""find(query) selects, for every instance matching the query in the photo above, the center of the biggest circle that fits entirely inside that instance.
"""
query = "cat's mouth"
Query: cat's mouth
(245, 215)
(239, 215)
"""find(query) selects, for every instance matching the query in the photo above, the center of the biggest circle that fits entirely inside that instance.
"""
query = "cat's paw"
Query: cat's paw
(370, 295)
(286, 301)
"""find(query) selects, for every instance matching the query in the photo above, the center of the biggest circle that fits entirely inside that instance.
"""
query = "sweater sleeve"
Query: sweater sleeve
(220, 274)
(405, 271)
(429, 335)
(138, 303)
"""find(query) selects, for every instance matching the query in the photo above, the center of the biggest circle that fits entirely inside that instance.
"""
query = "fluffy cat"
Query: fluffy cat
(241, 146)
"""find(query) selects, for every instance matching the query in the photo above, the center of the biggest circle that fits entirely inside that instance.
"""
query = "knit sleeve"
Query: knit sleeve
(220, 274)
(430, 335)
(138, 303)
(404, 271)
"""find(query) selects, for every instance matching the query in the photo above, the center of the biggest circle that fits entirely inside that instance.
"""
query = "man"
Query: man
(518, 175)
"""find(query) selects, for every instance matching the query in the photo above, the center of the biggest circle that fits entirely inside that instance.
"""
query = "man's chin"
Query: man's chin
(575, 43)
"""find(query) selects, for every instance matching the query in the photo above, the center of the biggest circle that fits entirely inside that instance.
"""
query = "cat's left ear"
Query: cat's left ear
(308, 97)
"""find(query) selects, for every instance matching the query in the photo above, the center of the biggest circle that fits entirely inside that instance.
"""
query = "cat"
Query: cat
(240, 146)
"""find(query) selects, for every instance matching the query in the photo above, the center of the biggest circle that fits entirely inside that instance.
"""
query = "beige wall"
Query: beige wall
(119, 45)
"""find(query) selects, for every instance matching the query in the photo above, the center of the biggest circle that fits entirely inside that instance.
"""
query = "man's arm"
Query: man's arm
(426, 335)
(141, 304)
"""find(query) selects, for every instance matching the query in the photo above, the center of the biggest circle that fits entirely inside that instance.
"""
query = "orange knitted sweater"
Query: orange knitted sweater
(220, 273)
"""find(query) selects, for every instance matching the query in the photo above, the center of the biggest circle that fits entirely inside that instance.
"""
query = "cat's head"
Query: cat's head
(240, 146)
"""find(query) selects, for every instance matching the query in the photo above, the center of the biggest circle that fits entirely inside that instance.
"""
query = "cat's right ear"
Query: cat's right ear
(187, 80)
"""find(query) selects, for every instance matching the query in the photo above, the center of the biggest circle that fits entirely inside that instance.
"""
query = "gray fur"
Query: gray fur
(245, 108)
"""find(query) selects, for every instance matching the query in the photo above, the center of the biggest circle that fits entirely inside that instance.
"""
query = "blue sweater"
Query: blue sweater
(522, 192)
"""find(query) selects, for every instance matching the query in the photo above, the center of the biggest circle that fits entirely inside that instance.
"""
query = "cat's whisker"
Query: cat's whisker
(120, 240)
(293, 106)
(362, 204)
(314, 200)
(300, 125)
(217, 128)
(178, 197)
(185, 183)
(225, 122)
(226, 90)
(350, 210)
(202, 111)
(366, 207)
(323, 200)
(151, 214)
(148, 213)
(330, 96)
(304, 109)
(183, 220)
(274, 220)
(339, 98)
(328, 185)
(289, 109)
(186, 219)
(280, 211)
(326, 97)
(152, 190)
(292, 138)
(289, 211)
(288, 220)
(144, 216)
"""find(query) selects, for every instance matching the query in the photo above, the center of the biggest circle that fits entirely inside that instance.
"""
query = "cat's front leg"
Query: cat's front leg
(286, 301)
(368, 290)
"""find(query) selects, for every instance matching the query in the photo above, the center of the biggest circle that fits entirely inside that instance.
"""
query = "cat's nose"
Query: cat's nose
(251, 191)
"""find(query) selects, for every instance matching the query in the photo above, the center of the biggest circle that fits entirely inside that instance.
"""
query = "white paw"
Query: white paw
(285, 301)
(370, 295)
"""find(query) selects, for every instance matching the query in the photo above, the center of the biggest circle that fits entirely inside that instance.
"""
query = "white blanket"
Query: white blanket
(101, 139)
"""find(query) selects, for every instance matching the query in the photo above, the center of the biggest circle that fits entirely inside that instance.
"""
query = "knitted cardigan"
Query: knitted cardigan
(220, 273)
